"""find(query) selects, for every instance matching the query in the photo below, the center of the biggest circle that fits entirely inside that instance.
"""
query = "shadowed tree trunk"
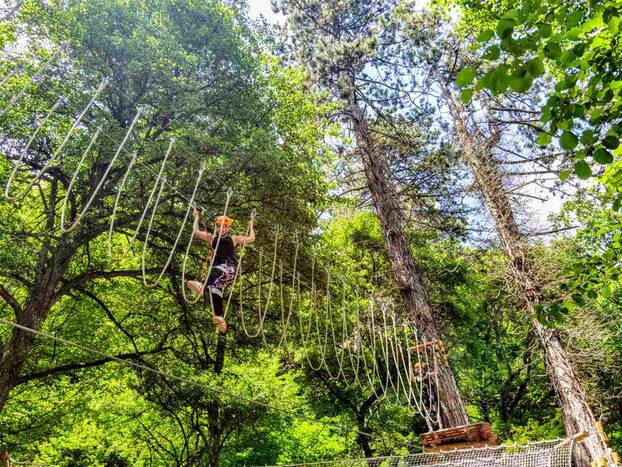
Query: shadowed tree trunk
(477, 152)
(407, 276)
(52, 264)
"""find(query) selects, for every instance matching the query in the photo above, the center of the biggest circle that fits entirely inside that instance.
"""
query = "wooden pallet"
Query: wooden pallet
(462, 437)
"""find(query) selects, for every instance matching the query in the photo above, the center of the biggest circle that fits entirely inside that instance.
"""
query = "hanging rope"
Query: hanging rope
(144, 212)
(238, 269)
(55, 154)
(189, 207)
(211, 264)
(34, 78)
(262, 315)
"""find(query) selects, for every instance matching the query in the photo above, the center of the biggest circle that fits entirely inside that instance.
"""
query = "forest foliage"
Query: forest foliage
(263, 112)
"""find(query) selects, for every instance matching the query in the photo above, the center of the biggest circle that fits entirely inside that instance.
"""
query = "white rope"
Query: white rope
(55, 154)
(103, 178)
(327, 321)
(215, 390)
(285, 322)
(384, 345)
(34, 77)
(179, 234)
(144, 212)
(13, 72)
(306, 336)
(372, 384)
(330, 322)
(553, 453)
(394, 348)
(238, 269)
(262, 316)
(349, 342)
(69, 188)
(25, 150)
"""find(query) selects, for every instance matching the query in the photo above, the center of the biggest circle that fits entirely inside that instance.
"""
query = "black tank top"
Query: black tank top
(225, 252)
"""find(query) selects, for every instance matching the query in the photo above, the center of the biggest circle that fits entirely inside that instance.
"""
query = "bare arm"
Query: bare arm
(201, 234)
(241, 240)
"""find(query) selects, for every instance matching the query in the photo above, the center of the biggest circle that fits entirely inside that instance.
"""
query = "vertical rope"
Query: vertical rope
(179, 234)
(144, 213)
(239, 265)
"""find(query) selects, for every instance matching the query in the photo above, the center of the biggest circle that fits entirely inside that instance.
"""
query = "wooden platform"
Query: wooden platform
(478, 435)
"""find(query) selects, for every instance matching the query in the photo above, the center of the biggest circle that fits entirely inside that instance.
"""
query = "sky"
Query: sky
(538, 210)
(262, 7)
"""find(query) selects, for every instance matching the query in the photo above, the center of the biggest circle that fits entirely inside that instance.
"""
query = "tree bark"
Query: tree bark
(15, 352)
(576, 413)
(407, 276)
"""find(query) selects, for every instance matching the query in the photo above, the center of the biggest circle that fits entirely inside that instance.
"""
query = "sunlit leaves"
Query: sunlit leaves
(577, 46)
(465, 77)
(582, 169)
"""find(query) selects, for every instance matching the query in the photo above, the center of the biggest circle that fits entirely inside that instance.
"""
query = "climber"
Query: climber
(224, 262)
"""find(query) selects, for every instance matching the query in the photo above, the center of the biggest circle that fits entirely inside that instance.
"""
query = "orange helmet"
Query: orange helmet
(224, 220)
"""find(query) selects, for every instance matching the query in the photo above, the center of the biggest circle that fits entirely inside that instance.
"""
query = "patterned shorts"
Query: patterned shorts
(220, 277)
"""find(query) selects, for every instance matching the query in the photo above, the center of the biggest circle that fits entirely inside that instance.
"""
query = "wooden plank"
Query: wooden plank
(456, 446)
(478, 432)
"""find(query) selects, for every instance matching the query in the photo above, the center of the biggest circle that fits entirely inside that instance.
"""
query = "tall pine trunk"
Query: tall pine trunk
(407, 276)
(576, 413)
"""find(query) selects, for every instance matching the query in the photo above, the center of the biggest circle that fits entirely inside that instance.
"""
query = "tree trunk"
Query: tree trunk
(15, 352)
(407, 276)
(5, 459)
(576, 413)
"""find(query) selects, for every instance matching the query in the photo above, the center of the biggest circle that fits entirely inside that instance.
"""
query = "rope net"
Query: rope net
(553, 453)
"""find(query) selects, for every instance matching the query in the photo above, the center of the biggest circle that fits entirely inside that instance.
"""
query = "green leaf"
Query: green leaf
(535, 67)
(544, 30)
(466, 95)
(565, 124)
(465, 77)
(602, 156)
(587, 137)
(492, 53)
(578, 299)
(520, 84)
(567, 57)
(583, 170)
(574, 18)
(504, 28)
(500, 79)
(543, 139)
(564, 175)
(611, 141)
(568, 140)
(485, 35)
(552, 50)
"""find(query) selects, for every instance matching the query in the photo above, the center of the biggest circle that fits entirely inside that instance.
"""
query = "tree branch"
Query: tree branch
(79, 366)
(10, 299)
